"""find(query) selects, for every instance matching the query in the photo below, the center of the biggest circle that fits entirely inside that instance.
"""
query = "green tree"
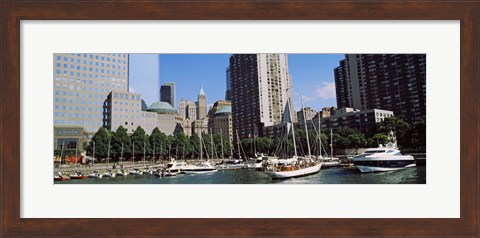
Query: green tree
(158, 140)
(120, 137)
(380, 138)
(263, 144)
(101, 139)
(195, 143)
(140, 141)
(357, 140)
(397, 126)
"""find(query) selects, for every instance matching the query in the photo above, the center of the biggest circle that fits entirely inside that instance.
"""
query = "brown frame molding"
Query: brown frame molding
(12, 12)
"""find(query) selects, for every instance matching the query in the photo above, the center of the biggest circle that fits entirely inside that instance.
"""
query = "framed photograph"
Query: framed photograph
(239, 118)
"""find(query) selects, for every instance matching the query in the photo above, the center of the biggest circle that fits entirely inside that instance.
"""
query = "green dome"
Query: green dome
(161, 107)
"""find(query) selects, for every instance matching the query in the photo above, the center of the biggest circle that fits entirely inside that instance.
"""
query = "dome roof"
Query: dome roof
(161, 107)
(224, 110)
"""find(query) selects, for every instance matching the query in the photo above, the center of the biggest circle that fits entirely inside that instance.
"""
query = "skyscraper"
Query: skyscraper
(228, 92)
(201, 104)
(260, 89)
(81, 84)
(395, 82)
(167, 93)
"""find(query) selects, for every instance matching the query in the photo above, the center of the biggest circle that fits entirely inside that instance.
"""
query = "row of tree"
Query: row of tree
(180, 146)
(156, 144)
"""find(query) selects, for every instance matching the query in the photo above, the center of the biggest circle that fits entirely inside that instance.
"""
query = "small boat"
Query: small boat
(231, 164)
(121, 173)
(135, 171)
(257, 163)
(78, 175)
(382, 159)
(204, 167)
(95, 174)
(108, 174)
(61, 177)
(330, 162)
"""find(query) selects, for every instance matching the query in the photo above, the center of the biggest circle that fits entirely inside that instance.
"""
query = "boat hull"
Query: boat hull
(386, 164)
(199, 171)
(295, 173)
(371, 169)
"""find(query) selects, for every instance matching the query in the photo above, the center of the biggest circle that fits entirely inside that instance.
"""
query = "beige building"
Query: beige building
(124, 109)
(187, 109)
(71, 137)
(308, 112)
(220, 119)
(81, 82)
(201, 104)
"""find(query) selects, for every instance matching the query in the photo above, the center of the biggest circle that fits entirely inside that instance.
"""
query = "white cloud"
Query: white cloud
(130, 89)
(326, 91)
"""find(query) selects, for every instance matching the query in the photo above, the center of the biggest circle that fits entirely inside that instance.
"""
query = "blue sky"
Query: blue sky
(312, 76)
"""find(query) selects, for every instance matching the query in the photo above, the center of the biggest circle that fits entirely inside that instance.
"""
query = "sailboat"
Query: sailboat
(121, 172)
(108, 173)
(133, 170)
(95, 174)
(295, 166)
(331, 161)
(204, 166)
(61, 176)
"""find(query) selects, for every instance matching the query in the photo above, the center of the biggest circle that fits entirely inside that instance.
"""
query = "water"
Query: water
(337, 175)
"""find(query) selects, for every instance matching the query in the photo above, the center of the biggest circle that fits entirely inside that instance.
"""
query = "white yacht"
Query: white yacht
(135, 171)
(382, 159)
(173, 168)
(204, 167)
(95, 174)
(108, 174)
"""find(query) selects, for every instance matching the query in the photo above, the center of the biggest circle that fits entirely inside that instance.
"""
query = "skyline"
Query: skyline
(313, 76)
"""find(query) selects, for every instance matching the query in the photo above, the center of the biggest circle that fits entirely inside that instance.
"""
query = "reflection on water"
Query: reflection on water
(339, 175)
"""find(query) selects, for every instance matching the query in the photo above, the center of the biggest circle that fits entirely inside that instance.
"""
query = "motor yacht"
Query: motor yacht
(382, 159)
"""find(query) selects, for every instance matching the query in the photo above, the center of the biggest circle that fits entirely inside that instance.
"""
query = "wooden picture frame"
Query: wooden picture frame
(12, 12)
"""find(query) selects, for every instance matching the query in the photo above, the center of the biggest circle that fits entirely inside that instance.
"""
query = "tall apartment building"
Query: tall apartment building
(260, 89)
(187, 109)
(395, 82)
(81, 83)
(167, 93)
(228, 92)
(201, 104)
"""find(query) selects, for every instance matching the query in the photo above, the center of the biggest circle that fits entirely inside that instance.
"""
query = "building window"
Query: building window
(60, 132)
(75, 132)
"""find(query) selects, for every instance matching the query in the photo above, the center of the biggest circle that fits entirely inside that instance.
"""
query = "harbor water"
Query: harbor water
(334, 175)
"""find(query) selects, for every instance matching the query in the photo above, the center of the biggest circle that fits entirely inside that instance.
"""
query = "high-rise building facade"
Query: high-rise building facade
(201, 104)
(187, 109)
(167, 93)
(228, 92)
(81, 83)
(260, 89)
(308, 112)
(395, 82)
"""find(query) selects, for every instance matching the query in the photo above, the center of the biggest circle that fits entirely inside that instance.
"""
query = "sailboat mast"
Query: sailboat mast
(306, 127)
(238, 144)
(61, 154)
(293, 136)
(201, 148)
(144, 145)
(319, 136)
(93, 153)
(133, 153)
(121, 155)
(211, 142)
(108, 156)
(221, 140)
(331, 143)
